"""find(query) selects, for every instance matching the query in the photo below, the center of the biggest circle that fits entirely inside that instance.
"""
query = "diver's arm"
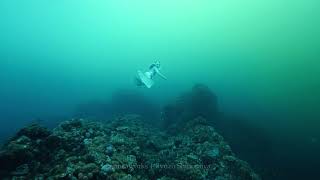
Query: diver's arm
(160, 74)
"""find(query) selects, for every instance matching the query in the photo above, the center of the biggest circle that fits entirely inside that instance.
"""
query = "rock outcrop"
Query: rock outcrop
(126, 148)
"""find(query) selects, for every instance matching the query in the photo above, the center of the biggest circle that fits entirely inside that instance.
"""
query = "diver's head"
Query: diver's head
(157, 63)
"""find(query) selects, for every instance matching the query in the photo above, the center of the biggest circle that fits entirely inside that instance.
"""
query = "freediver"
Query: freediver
(146, 78)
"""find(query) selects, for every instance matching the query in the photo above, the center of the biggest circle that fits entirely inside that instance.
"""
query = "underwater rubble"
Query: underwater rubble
(125, 148)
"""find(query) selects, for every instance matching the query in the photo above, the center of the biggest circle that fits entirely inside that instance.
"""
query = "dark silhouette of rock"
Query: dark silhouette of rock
(122, 102)
(248, 141)
(203, 102)
(199, 102)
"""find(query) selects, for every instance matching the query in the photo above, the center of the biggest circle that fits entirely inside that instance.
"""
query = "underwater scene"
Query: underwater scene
(159, 89)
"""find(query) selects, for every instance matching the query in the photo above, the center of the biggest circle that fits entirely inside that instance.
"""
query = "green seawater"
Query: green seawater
(261, 58)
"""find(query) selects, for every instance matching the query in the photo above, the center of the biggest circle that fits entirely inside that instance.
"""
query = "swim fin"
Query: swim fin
(145, 80)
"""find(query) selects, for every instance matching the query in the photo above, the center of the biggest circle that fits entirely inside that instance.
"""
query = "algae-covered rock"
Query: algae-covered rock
(34, 132)
(24, 151)
(126, 148)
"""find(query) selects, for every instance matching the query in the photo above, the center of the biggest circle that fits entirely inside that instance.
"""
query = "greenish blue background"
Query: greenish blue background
(260, 57)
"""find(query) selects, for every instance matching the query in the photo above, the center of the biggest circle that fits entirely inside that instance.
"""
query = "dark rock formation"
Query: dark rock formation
(248, 141)
(199, 102)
